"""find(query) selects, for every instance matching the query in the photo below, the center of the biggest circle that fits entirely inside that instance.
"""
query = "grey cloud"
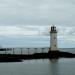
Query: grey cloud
(37, 12)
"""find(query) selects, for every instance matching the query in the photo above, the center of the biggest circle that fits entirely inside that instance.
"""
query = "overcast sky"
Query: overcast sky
(20, 18)
(37, 12)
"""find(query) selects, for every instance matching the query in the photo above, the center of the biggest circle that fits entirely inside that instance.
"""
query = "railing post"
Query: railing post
(5, 50)
(35, 50)
(42, 50)
(21, 51)
(13, 51)
(28, 51)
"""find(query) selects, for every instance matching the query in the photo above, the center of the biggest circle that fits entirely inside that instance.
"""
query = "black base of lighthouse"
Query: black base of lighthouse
(60, 54)
(53, 54)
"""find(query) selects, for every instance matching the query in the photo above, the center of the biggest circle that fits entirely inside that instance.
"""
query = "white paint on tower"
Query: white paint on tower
(53, 39)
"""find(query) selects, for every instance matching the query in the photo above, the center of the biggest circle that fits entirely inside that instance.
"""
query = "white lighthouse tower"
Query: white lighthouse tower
(53, 39)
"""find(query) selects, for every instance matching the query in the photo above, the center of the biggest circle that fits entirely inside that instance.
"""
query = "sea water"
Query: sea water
(61, 66)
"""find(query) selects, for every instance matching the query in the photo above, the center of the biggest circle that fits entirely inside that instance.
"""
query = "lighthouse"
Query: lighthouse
(53, 39)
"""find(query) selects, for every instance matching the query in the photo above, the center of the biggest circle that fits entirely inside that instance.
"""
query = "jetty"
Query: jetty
(11, 54)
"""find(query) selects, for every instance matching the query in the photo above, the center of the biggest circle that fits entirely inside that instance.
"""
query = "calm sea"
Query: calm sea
(63, 66)
(39, 67)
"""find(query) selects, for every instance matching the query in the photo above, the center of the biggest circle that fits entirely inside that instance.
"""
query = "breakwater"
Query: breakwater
(19, 54)
(49, 55)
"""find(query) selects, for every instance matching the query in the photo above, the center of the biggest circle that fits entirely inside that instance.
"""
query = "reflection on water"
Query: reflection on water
(54, 60)
(39, 67)
(54, 66)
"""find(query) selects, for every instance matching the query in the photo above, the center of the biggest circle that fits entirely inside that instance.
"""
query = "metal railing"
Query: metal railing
(23, 50)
